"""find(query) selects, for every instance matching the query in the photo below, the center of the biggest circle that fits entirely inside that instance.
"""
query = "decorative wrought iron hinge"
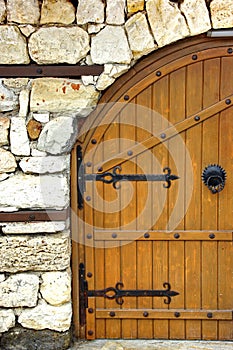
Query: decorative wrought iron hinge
(115, 177)
(117, 293)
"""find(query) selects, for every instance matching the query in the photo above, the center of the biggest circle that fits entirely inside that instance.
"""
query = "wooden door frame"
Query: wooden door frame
(150, 68)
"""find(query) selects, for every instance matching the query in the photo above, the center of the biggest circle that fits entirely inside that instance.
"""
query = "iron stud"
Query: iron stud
(93, 141)
(177, 314)
(112, 313)
(158, 73)
(194, 57)
(39, 71)
(197, 118)
(90, 310)
(146, 235)
(100, 169)
(145, 314)
(88, 198)
(176, 235)
(228, 101)
(126, 97)
(90, 332)
(210, 315)
(230, 50)
(89, 164)
(89, 274)
(163, 136)
(32, 217)
(114, 235)
(212, 236)
(89, 236)
(130, 153)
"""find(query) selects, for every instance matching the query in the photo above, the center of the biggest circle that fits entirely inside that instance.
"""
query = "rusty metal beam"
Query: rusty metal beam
(34, 215)
(34, 70)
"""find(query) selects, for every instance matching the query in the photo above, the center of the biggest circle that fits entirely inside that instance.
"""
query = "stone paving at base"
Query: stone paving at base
(151, 344)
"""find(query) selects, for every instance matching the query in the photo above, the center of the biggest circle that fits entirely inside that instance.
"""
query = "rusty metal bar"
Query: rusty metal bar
(34, 215)
(34, 70)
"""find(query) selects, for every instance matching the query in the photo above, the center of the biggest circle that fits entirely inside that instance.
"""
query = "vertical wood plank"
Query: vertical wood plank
(210, 155)
(160, 108)
(194, 92)
(112, 220)
(144, 190)
(128, 219)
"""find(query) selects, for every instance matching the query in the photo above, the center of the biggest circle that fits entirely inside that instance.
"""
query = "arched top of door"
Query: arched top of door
(148, 70)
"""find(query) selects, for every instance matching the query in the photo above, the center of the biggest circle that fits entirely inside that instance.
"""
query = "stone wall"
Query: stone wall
(39, 124)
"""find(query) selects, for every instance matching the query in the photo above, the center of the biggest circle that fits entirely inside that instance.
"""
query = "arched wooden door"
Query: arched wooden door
(152, 253)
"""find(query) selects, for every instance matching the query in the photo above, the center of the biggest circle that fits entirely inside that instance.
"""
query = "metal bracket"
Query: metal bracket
(117, 293)
(115, 177)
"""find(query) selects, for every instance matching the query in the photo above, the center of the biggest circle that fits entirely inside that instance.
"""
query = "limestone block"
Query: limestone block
(110, 45)
(166, 21)
(47, 316)
(221, 13)
(63, 96)
(13, 46)
(2, 277)
(26, 11)
(116, 70)
(3, 177)
(140, 39)
(7, 161)
(8, 100)
(34, 129)
(4, 130)
(58, 45)
(135, 5)
(104, 81)
(18, 137)
(33, 227)
(197, 16)
(56, 287)
(88, 80)
(34, 192)
(58, 136)
(15, 84)
(90, 11)
(95, 28)
(35, 253)
(59, 11)
(41, 117)
(43, 165)
(36, 153)
(7, 319)
(23, 103)
(115, 12)
(2, 10)
(19, 290)
(27, 29)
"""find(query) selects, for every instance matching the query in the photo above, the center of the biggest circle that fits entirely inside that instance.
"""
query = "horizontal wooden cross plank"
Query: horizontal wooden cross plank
(34, 215)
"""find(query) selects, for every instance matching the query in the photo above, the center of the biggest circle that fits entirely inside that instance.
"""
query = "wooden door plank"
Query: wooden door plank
(128, 195)
(194, 91)
(144, 212)
(210, 155)
(112, 220)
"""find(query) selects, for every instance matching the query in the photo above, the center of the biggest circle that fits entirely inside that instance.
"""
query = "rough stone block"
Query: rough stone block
(56, 287)
(59, 11)
(140, 39)
(222, 13)
(37, 253)
(45, 316)
(135, 5)
(58, 135)
(18, 137)
(23, 103)
(166, 21)
(197, 16)
(63, 96)
(15, 84)
(34, 192)
(4, 130)
(8, 100)
(34, 129)
(7, 161)
(90, 11)
(115, 12)
(26, 11)
(33, 227)
(2, 10)
(7, 319)
(110, 45)
(43, 165)
(19, 338)
(104, 81)
(58, 45)
(19, 290)
(13, 46)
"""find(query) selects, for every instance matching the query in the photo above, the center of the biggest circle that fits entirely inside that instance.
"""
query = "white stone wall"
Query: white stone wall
(38, 126)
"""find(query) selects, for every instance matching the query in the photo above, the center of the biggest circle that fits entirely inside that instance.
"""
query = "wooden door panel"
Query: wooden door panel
(144, 235)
